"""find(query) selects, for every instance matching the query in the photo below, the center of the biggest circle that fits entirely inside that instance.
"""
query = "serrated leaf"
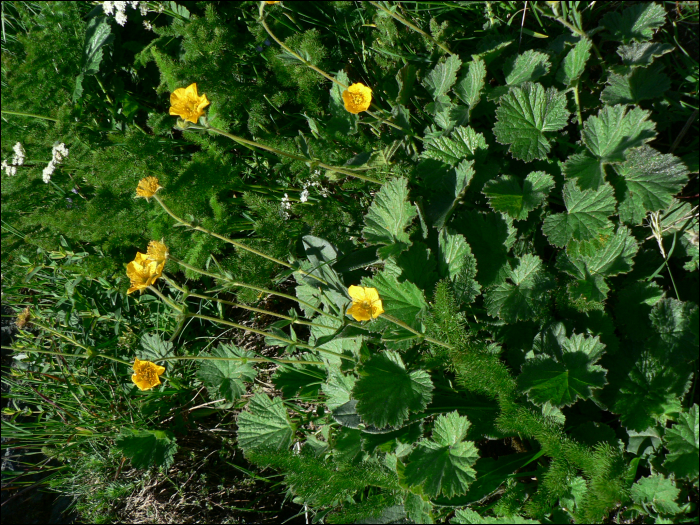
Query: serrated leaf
(524, 115)
(676, 323)
(303, 381)
(417, 509)
(443, 465)
(403, 300)
(641, 83)
(647, 182)
(341, 343)
(490, 236)
(469, 516)
(342, 121)
(447, 192)
(322, 255)
(154, 348)
(637, 22)
(459, 265)
(386, 392)
(527, 67)
(587, 171)
(658, 492)
(525, 297)
(347, 447)
(264, 424)
(586, 217)
(636, 54)
(645, 390)
(507, 195)
(574, 63)
(338, 389)
(462, 144)
(97, 35)
(439, 81)
(615, 130)
(390, 214)
(469, 87)
(226, 378)
(682, 442)
(591, 262)
(633, 309)
(147, 448)
(563, 380)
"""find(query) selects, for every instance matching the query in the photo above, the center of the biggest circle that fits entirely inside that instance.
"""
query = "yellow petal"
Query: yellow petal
(357, 292)
(357, 98)
(371, 295)
(359, 312)
(148, 186)
(146, 374)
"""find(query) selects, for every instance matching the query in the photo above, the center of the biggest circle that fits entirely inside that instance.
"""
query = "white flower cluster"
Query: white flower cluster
(59, 152)
(286, 205)
(17, 159)
(118, 9)
(308, 184)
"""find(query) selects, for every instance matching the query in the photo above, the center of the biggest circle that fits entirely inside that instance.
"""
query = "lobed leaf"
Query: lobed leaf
(507, 195)
(390, 214)
(227, 378)
(264, 425)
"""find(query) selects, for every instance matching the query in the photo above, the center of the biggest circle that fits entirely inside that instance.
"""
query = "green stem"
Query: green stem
(231, 241)
(4, 111)
(409, 24)
(63, 354)
(167, 300)
(251, 287)
(422, 336)
(578, 107)
(293, 320)
(272, 336)
(242, 359)
(59, 334)
(289, 155)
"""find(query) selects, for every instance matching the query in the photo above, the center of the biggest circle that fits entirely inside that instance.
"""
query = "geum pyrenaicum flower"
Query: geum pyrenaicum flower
(146, 374)
(148, 187)
(186, 103)
(366, 303)
(157, 251)
(143, 271)
(357, 98)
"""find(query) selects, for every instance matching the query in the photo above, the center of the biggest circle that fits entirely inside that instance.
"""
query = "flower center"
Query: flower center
(358, 99)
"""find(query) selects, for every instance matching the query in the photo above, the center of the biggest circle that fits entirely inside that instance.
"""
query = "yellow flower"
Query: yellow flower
(357, 98)
(366, 303)
(157, 251)
(148, 187)
(270, 3)
(143, 272)
(146, 376)
(186, 103)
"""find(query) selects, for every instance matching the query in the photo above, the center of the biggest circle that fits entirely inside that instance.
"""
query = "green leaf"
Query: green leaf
(97, 35)
(227, 378)
(589, 172)
(418, 509)
(591, 262)
(322, 255)
(490, 236)
(386, 392)
(574, 63)
(526, 297)
(347, 445)
(338, 389)
(647, 182)
(154, 348)
(443, 465)
(614, 130)
(459, 265)
(633, 309)
(469, 87)
(637, 22)
(658, 492)
(564, 379)
(641, 83)
(418, 266)
(264, 424)
(682, 443)
(635, 54)
(469, 516)
(147, 448)
(447, 192)
(462, 144)
(506, 195)
(303, 381)
(330, 338)
(527, 67)
(390, 214)
(403, 300)
(342, 121)
(439, 81)
(586, 217)
(524, 115)
(645, 390)
(676, 322)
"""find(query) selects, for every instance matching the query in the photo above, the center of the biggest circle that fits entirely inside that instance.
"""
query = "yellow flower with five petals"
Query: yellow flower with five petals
(357, 98)
(146, 374)
(186, 103)
(366, 303)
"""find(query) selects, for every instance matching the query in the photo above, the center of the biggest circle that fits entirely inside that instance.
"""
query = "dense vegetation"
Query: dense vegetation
(470, 296)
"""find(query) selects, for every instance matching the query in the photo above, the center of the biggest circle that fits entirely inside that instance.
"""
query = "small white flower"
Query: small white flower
(10, 170)
(108, 8)
(144, 9)
(160, 8)
(48, 171)
(59, 153)
(134, 4)
(20, 154)
(148, 25)
(304, 196)
(120, 18)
